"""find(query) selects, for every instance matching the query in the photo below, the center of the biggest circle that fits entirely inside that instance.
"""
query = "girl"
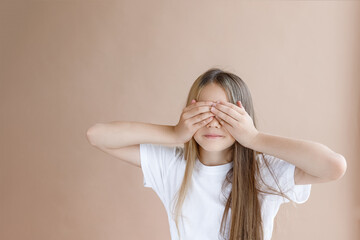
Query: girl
(229, 179)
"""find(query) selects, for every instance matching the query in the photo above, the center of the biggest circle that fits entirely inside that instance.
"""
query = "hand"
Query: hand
(236, 121)
(192, 118)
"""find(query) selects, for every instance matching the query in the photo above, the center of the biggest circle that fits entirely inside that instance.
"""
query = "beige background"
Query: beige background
(66, 65)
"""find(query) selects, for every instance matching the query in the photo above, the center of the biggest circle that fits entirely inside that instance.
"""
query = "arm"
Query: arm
(311, 157)
(118, 134)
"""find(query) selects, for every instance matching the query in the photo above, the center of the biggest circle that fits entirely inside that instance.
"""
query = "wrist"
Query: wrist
(254, 140)
(176, 138)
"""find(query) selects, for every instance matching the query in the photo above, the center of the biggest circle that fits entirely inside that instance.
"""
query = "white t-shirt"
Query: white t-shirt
(163, 170)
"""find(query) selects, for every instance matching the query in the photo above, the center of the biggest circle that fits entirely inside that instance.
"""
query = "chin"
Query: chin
(211, 145)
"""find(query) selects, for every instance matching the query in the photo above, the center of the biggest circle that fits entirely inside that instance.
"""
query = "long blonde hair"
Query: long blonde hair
(246, 222)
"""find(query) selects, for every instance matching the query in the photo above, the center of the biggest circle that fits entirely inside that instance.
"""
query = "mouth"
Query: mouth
(213, 136)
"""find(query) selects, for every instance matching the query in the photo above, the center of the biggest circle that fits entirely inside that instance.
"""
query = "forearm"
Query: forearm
(312, 157)
(119, 134)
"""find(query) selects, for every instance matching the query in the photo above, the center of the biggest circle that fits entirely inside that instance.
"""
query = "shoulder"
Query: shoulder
(160, 154)
(274, 170)
(274, 163)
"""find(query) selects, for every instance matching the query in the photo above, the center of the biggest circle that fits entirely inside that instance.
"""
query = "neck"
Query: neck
(215, 158)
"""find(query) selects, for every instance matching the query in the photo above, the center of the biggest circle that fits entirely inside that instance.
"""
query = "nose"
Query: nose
(214, 123)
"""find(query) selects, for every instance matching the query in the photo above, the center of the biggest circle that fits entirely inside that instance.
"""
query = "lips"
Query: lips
(212, 135)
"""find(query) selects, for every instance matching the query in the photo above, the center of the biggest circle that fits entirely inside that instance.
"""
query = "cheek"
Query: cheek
(197, 136)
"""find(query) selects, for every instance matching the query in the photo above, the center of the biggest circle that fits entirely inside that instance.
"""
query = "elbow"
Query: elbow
(91, 133)
(340, 166)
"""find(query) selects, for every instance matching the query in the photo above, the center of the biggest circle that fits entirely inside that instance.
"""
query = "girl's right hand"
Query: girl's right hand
(192, 118)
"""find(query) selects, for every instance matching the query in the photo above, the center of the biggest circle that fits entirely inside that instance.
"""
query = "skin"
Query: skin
(214, 152)
(314, 162)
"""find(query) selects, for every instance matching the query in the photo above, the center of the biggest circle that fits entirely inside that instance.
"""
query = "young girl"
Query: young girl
(229, 179)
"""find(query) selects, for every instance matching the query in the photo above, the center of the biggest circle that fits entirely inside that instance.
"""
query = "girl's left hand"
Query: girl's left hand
(236, 121)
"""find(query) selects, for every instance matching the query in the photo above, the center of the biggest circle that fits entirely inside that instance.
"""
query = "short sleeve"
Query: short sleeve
(155, 161)
(284, 172)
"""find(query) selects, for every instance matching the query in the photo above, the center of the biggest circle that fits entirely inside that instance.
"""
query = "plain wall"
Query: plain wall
(66, 65)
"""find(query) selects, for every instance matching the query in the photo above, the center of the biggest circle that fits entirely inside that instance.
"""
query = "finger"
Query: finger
(224, 116)
(241, 106)
(203, 121)
(197, 104)
(195, 110)
(223, 123)
(237, 108)
(199, 114)
(227, 110)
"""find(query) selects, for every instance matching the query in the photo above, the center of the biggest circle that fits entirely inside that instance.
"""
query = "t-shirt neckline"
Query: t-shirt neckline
(223, 168)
